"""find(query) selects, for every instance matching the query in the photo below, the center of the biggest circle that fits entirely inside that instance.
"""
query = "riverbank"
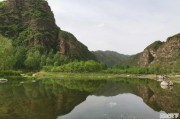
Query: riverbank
(92, 76)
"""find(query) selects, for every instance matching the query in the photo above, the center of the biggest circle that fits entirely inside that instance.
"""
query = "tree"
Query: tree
(33, 60)
(6, 54)
(20, 56)
(176, 67)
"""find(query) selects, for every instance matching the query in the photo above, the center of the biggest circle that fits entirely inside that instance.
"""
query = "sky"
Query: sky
(125, 26)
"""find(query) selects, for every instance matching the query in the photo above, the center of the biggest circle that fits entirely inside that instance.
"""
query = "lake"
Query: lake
(87, 99)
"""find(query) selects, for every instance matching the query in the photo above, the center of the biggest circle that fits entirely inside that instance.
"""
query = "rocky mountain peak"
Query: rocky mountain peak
(165, 53)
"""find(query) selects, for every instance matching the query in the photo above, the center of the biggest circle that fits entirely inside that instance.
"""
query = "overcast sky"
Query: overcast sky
(125, 26)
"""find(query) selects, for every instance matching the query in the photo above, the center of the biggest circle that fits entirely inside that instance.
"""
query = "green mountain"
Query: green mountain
(131, 61)
(110, 58)
(31, 24)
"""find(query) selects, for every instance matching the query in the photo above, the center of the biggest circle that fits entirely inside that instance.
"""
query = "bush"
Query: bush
(10, 73)
(82, 66)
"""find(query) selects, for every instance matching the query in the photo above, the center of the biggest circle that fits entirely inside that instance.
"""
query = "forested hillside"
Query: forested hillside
(110, 58)
(34, 39)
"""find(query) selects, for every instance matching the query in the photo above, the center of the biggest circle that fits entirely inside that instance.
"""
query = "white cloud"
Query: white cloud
(101, 25)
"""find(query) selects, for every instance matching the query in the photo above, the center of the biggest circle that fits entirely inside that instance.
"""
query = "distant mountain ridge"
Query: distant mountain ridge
(110, 58)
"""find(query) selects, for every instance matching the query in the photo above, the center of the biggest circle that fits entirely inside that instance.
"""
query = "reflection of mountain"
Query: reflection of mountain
(166, 100)
(150, 91)
(48, 99)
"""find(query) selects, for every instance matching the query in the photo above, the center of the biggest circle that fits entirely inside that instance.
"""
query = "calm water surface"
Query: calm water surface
(117, 107)
(87, 99)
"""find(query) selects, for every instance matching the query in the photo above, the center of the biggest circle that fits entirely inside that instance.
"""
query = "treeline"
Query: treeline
(154, 69)
(33, 58)
(128, 71)
(81, 66)
(36, 58)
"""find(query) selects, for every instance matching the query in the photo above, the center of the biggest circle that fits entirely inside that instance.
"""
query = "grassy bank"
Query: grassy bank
(99, 76)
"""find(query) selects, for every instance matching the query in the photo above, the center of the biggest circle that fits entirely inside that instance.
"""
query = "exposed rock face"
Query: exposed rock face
(71, 47)
(150, 53)
(170, 51)
(31, 22)
(146, 58)
(161, 52)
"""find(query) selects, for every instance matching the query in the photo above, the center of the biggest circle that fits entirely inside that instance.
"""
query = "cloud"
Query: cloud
(112, 104)
(101, 25)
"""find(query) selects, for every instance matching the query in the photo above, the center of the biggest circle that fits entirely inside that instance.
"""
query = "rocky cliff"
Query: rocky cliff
(71, 47)
(150, 53)
(162, 53)
(31, 22)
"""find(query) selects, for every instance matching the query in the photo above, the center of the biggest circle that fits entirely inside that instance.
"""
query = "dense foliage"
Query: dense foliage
(6, 53)
(155, 45)
(21, 58)
(82, 66)
(153, 69)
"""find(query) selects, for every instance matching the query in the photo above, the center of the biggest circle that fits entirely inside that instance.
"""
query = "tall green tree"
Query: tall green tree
(6, 54)
(33, 60)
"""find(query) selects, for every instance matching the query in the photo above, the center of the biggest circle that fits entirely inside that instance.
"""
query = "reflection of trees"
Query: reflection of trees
(37, 101)
(50, 98)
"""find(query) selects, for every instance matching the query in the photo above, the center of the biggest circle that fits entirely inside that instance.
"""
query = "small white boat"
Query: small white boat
(3, 80)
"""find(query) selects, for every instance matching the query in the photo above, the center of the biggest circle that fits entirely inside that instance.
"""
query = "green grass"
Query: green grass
(99, 76)
(89, 76)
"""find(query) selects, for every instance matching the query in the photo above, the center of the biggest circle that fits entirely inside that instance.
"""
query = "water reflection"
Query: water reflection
(83, 99)
(123, 106)
(167, 87)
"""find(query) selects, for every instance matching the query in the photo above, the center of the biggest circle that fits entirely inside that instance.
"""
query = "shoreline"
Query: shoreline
(92, 76)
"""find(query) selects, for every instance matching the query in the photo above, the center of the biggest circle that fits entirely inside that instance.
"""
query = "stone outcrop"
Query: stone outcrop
(71, 47)
(161, 52)
(29, 22)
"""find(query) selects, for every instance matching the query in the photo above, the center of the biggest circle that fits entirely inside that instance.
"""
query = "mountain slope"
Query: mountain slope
(110, 58)
(31, 22)
(132, 61)
(162, 53)
(71, 47)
